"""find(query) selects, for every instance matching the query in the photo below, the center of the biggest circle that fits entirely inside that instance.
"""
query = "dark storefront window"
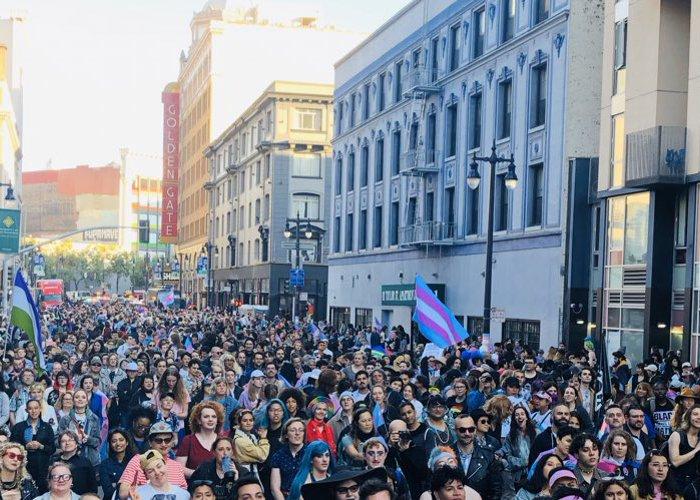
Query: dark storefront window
(363, 317)
(526, 331)
(475, 325)
(339, 316)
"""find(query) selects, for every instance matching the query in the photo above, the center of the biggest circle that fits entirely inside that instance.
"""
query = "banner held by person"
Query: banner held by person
(435, 320)
(25, 316)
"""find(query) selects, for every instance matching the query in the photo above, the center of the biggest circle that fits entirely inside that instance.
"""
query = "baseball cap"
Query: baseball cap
(131, 367)
(651, 368)
(560, 474)
(257, 374)
(346, 394)
(686, 365)
(96, 361)
(542, 395)
(160, 428)
(150, 458)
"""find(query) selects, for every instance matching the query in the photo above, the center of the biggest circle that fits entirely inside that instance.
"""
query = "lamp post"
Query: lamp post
(473, 180)
(181, 269)
(308, 233)
(208, 248)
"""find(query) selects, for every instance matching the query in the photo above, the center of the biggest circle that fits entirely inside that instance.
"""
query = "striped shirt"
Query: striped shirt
(133, 474)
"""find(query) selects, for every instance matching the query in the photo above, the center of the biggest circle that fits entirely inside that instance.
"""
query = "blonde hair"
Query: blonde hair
(499, 407)
(23, 473)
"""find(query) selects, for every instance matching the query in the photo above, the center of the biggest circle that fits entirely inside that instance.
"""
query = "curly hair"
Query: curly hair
(23, 473)
(195, 416)
(499, 407)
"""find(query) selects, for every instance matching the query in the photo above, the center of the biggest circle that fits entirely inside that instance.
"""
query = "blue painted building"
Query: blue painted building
(437, 83)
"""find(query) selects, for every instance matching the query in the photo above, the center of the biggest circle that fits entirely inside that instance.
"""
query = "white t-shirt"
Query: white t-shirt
(148, 492)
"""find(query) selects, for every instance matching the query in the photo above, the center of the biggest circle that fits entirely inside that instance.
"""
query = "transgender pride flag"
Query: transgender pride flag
(435, 319)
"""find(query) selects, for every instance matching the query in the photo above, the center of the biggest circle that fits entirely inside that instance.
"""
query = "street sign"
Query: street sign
(303, 245)
(304, 296)
(498, 315)
(9, 230)
(296, 277)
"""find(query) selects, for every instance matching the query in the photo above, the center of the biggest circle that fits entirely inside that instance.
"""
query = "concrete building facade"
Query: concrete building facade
(228, 64)
(438, 82)
(645, 290)
(272, 163)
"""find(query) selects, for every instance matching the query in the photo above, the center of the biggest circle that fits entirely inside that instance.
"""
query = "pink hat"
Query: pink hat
(560, 474)
(542, 395)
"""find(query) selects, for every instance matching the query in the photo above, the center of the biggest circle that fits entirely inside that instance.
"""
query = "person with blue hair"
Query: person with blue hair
(316, 465)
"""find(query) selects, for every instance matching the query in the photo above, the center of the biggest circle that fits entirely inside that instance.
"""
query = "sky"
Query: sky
(95, 69)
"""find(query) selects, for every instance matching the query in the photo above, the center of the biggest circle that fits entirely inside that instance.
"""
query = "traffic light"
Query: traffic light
(144, 231)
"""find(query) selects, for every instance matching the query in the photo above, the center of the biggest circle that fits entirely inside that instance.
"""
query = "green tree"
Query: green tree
(138, 270)
(120, 264)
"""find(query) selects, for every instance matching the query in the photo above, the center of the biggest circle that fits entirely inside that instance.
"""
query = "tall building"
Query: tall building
(63, 200)
(645, 290)
(13, 36)
(145, 218)
(437, 83)
(235, 52)
(272, 164)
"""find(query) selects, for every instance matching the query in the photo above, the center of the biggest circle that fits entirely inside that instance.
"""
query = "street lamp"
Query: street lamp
(10, 195)
(473, 181)
(297, 230)
(207, 249)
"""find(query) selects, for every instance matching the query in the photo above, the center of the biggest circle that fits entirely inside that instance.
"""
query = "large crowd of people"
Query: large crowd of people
(143, 402)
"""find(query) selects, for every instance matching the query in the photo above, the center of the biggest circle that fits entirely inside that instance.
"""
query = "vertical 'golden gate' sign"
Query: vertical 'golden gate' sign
(171, 162)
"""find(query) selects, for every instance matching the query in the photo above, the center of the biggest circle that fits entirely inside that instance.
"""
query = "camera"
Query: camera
(404, 436)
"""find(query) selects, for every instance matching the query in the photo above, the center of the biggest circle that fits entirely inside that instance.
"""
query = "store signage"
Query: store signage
(9, 230)
(404, 295)
(171, 163)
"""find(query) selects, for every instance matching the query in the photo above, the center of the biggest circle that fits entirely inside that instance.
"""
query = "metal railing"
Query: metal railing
(655, 156)
(426, 232)
(420, 160)
(420, 78)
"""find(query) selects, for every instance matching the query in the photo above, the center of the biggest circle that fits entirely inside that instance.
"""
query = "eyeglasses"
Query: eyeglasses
(463, 430)
(344, 490)
(161, 440)
(484, 421)
(14, 456)
(60, 477)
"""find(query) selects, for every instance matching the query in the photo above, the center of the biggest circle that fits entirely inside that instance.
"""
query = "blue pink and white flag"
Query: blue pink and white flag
(315, 331)
(378, 324)
(435, 320)
(189, 347)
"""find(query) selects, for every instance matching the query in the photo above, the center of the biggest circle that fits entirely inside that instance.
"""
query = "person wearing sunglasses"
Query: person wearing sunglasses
(15, 481)
(480, 465)
(161, 438)
(316, 465)
(60, 479)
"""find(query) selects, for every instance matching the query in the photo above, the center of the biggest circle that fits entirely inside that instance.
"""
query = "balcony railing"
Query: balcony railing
(426, 233)
(420, 79)
(420, 161)
(655, 156)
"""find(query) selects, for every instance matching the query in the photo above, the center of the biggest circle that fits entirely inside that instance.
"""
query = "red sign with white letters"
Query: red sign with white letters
(171, 166)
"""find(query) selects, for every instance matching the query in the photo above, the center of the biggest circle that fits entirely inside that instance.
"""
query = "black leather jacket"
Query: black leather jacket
(484, 473)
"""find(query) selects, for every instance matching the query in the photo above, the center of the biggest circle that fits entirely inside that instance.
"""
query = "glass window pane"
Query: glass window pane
(636, 228)
(634, 342)
(633, 319)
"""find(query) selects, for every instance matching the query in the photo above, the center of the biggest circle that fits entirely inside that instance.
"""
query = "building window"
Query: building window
(475, 325)
(339, 316)
(364, 165)
(353, 98)
(505, 109)
(266, 207)
(394, 224)
(380, 92)
(541, 10)
(267, 166)
(258, 172)
(429, 214)
(527, 332)
(398, 83)
(365, 102)
(362, 231)
(395, 152)
(474, 129)
(479, 33)
(411, 215)
(508, 20)
(434, 60)
(377, 225)
(379, 160)
(430, 139)
(454, 47)
(536, 194)
(351, 172)
(307, 205)
(620, 63)
(473, 211)
(501, 203)
(336, 235)
(538, 96)
(363, 317)
(339, 176)
(449, 216)
(339, 118)
(451, 131)
(349, 228)
(306, 165)
(257, 211)
(617, 151)
(307, 119)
